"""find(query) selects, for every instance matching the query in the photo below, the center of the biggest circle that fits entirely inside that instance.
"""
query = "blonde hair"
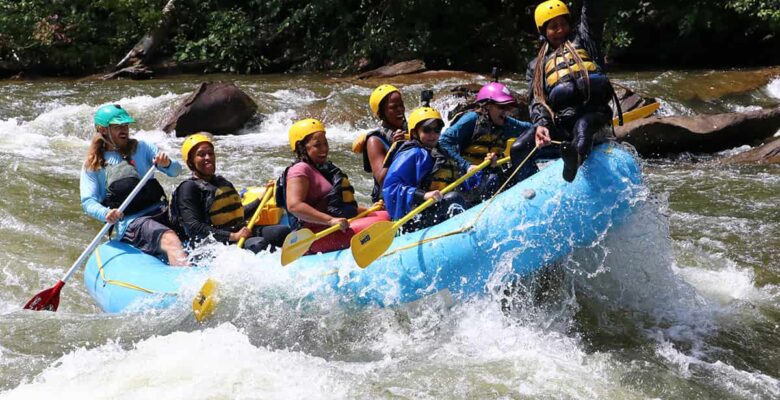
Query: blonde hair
(537, 85)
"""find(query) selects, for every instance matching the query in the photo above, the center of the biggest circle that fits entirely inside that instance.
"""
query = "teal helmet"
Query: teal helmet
(112, 114)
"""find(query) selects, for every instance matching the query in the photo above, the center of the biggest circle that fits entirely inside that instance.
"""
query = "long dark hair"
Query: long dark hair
(537, 85)
(300, 151)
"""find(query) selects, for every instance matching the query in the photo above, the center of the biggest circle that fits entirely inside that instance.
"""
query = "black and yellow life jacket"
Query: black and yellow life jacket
(561, 65)
(487, 137)
(445, 169)
(121, 179)
(225, 208)
(340, 199)
(221, 202)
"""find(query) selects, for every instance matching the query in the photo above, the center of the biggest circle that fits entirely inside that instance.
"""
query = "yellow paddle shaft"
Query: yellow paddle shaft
(334, 228)
(452, 186)
(638, 113)
(266, 197)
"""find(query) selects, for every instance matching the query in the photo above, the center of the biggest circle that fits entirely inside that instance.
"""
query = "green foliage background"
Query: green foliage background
(254, 36)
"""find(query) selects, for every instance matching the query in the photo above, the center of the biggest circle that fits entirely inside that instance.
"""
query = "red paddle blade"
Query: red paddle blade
(48, 299)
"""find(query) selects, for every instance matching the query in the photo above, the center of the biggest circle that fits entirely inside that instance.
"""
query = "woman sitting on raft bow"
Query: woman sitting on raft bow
(208, 204)
(317, 193)
(474, 134)
(112, 169)
(420, 168)
(569, 93)
(387, 105)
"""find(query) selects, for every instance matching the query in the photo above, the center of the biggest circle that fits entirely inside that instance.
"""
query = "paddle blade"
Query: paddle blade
(48, 299)
(205, 302)
(370, 243)
(296, 244)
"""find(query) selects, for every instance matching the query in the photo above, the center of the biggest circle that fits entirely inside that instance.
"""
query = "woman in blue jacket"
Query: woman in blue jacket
(420, 169)
(113, 167)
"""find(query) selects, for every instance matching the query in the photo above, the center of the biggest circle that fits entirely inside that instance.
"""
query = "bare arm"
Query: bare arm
(297, 189)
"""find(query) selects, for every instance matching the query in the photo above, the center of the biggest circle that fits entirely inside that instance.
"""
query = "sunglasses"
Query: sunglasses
(432, 128)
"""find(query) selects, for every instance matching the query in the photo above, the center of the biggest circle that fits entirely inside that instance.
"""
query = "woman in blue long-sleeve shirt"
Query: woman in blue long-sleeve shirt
(485, 130)
(112, 168)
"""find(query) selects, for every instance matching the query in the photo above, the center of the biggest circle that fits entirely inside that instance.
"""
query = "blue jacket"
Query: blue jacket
(93, 184)
(459, 135)
(404, 177)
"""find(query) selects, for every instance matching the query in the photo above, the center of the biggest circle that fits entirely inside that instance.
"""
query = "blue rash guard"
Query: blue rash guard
(93, 184)
(459, 135)
(404, 177)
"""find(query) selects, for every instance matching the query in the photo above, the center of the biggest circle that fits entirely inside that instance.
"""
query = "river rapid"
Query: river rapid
(683, 301)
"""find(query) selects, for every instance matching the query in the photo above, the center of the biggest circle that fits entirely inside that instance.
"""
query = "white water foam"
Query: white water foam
(17, 140)
(773, 88)
(218, 362)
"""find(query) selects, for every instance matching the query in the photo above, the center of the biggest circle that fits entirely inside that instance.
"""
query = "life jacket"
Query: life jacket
(385, 136)
(445, 169)
(222, 203)
(487, 137)
(121, 179)
(561, 65)
(340, 199)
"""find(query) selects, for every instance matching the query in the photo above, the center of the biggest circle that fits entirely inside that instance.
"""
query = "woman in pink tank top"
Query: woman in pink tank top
(318, 193)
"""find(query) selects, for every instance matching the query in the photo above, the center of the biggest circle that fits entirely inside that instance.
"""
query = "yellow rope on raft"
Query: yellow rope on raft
(120, 283)
(471, 224)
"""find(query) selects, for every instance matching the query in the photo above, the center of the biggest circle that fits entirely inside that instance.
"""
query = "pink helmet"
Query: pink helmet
(495, 92)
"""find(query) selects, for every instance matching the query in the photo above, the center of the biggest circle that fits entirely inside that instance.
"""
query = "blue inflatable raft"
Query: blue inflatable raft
(535, 223)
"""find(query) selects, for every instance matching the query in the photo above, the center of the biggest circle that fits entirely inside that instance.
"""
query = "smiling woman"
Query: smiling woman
(316, 192)
(209, 205)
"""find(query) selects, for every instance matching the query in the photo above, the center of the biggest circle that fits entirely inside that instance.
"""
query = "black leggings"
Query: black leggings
(580, 132)
(265, 236)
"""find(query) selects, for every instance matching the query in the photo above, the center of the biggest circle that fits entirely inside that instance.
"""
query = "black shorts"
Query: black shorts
(145, 233)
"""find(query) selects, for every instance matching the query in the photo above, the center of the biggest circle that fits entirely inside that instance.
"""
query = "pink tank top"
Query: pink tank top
(318, 185)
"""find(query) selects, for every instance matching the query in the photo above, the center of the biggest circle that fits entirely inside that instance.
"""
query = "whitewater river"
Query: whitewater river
(681, 302)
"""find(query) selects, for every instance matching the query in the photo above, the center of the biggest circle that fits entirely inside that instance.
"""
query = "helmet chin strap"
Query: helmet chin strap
(107, 137)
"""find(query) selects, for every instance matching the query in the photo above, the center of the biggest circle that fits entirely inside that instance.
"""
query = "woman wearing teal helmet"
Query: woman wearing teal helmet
(112, 168)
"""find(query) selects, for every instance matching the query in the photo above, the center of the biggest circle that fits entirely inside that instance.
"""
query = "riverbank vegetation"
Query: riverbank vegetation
(78, 37)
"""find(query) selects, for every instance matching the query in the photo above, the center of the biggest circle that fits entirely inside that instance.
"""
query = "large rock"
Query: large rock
(219, 108)
(401, 68)
(768, 153)
(659, 136)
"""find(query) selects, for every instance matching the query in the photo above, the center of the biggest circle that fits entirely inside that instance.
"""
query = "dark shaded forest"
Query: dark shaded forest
(80, 37)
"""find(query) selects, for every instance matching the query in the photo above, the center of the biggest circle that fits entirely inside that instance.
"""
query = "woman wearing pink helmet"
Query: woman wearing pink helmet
(485, 130)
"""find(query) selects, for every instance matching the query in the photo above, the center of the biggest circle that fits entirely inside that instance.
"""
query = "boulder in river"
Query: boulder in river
(219, 108)
(768, 153)
(401, 68)
(660, 136)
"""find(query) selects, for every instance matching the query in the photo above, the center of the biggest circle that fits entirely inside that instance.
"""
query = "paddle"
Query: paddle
(49, 299)
(205, 302)
(370, 243)
(297, 243)
(266, 196)
(637, 113)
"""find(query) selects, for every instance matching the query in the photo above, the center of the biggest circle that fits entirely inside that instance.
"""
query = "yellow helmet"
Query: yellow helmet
(192, 141)
(303, 128)
(378, 95)
(421, 114)
(549, 10)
